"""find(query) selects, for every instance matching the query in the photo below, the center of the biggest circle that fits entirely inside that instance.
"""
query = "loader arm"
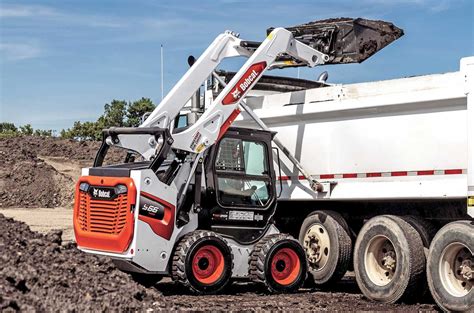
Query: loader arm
(224, 109)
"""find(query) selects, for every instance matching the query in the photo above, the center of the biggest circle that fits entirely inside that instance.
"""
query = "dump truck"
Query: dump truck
(298, 184)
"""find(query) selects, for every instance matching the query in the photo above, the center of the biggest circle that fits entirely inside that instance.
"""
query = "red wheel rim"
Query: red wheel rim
(208, 264)
(285, 267)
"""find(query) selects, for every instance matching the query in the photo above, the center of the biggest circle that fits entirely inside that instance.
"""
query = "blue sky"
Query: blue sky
(61, 61)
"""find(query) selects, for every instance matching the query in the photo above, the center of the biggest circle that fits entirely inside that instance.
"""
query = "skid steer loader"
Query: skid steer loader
(199, 205)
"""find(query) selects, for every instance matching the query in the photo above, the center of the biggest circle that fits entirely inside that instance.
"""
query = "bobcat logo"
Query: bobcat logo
(97, 193)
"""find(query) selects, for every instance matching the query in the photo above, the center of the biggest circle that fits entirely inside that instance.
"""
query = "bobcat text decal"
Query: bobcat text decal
(244, 83)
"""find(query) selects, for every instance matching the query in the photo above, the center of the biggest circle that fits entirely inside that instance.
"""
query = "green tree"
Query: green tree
(43, 132)
(6, 127)
(26, 130)
(114, 113)
(136, 109)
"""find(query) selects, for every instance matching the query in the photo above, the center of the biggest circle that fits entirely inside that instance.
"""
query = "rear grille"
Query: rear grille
(102, 216)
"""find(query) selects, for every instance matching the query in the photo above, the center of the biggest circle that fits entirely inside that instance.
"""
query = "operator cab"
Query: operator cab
(241, 194)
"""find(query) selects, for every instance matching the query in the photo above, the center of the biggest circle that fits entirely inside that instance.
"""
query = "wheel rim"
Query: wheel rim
(208, 264)
(317, 246)
(285, 266)
(380, 260)
(456, 269)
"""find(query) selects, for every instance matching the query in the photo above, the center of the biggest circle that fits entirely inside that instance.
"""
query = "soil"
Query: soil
(42, 171)
(39, 273)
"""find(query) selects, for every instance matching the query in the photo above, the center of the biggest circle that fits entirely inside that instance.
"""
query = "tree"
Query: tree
(43, 132)
(136, 109)
(26, 130)
(114, 113)
(6, 127)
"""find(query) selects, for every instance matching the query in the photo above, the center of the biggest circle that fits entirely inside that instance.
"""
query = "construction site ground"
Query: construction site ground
(43, 270)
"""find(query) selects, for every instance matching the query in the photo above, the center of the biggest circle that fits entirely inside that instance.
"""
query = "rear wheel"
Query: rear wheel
(326, 240)
(450, 269)
(279, 262)
(202, 262)
(389, 261)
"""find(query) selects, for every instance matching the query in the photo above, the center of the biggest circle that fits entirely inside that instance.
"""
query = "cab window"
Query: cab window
(242, 173)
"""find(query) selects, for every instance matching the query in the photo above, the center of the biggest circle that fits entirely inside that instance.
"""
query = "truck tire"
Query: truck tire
(146, 280)
(325, 237)
(389, 261)
(279, 263)
(450, 268)
(202, 262)
(425, 228)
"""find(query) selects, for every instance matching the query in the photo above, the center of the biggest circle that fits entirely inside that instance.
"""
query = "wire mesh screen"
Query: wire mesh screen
(230, 155)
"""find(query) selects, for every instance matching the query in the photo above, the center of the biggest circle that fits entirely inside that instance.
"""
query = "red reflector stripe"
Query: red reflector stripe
(399, 173)
(425, 173)
(379, 174)
(353, 175)
(374, 174)
(327, 176)
(450, 172)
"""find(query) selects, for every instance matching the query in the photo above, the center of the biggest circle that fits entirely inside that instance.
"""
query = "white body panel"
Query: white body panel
(402, 138)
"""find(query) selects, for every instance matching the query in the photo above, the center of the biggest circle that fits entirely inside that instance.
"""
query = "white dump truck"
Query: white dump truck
(390, 153)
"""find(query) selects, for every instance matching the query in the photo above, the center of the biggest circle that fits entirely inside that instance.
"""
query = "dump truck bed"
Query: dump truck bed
(396, 139)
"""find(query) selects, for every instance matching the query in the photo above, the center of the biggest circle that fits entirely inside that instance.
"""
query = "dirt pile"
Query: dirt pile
(37, 273)
(28, 180)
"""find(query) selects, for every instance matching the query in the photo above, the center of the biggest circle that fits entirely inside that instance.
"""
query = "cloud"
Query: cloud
(18, 11)
(53, 15)
(19, 51)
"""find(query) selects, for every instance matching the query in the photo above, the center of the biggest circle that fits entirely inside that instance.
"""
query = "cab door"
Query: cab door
(243, 181)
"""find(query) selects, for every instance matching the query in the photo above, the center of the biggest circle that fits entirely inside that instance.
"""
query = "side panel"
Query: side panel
(403, 138)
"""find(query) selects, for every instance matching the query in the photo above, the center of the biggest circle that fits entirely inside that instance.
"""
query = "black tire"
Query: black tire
(389, 261)
(425, 228)
(447, 295)
(338, 253)
(146, 280)
(202, 262)
(267, 263)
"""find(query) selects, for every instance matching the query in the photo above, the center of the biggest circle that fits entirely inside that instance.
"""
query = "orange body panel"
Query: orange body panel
(104, 225)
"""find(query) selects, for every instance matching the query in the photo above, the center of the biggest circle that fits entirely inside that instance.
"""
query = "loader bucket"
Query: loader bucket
(346, 40)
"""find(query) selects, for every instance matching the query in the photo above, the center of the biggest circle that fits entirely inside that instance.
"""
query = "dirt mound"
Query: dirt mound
(26, 180)
(40, 274)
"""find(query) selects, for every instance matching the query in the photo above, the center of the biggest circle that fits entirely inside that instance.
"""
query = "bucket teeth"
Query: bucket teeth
(345, 40)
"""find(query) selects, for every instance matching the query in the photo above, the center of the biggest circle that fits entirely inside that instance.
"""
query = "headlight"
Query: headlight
(84, 187)
(119, 189)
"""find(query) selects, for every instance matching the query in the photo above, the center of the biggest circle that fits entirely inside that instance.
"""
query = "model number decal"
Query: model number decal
(151, 208)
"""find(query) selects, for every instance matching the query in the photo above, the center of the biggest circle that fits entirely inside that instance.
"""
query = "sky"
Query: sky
(61, 61)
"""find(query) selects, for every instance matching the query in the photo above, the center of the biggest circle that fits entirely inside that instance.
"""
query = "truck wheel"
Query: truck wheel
(389, 262)
(326, 240)
(425, 228)
(202, 262)
(450, 267)
(278, 261)
(147, 280)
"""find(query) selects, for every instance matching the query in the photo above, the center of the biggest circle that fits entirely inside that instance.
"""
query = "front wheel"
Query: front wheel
(278, 262)
(202, 262)
(450, 267)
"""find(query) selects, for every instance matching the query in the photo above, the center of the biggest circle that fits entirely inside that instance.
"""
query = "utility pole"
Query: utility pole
(162, 91)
